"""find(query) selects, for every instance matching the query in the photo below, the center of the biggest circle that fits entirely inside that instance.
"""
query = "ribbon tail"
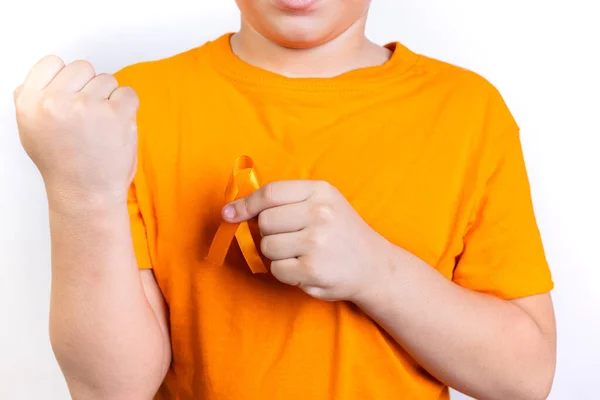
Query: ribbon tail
(221, 242)
(248, 247)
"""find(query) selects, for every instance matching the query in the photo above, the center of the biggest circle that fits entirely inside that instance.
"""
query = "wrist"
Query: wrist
(378, 274)
(74, 202)
(88, 224)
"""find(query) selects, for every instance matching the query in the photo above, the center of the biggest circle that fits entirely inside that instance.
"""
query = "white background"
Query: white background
(541, 54)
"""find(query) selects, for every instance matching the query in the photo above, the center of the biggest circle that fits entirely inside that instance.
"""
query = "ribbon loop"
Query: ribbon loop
(243, 181)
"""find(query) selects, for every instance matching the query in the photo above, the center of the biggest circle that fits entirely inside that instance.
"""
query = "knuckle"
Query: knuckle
(49, 63)
(324, 186)
(310, 269)
(316, 239)
(135, 100)
(51, 105)
(108, 80)
(84, 67)
(266, 245)
(130, 96)
(52, 60)
(17, 93)
(322, 213)
(267, 193)
(281, 271)
(263, 221)
(21, 106)
(82, 104)
(125, 99)
(132, 127)
(48, 103)
(128, 92)
(276, 267)
(326, 191)
(245, 206)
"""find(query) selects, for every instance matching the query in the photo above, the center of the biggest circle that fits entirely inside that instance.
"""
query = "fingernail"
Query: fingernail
(229, 212)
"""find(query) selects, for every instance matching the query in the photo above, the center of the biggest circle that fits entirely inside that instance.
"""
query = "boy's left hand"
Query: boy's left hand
(315, 238)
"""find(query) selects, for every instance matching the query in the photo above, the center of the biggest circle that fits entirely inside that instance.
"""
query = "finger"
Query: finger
(272, 195)
(101, 86)
(43, 72)
(125, 99)
(284, 245)
(17, 92)
(73, 77)
(289, 271)
(287, 218)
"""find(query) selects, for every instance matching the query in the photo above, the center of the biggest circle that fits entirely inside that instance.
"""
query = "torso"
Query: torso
(400, 153)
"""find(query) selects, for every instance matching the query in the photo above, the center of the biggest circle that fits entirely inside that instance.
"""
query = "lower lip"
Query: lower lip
(298, 5)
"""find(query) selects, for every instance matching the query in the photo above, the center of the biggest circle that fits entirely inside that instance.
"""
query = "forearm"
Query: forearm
(104, 333)
(483, 346)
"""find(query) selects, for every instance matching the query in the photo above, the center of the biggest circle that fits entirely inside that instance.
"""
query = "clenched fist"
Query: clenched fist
(79, 129)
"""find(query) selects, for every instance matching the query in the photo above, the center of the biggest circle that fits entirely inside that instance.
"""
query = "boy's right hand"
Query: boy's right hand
(80, 130)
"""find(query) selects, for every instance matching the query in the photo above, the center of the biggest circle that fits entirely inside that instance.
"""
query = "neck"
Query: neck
(349, 51)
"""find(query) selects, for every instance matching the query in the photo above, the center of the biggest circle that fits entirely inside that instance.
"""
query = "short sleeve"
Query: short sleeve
(503, 253)
(128, 76)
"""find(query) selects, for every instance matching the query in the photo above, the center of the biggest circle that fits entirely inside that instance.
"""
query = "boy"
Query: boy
(392, 203)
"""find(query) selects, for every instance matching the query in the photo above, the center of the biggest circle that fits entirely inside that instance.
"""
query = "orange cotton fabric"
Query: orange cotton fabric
(427, 153)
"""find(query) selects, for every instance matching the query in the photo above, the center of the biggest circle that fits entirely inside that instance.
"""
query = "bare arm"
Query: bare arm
(108, 322)
(480, 345)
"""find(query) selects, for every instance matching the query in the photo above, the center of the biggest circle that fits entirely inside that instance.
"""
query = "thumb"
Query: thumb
(238, 211)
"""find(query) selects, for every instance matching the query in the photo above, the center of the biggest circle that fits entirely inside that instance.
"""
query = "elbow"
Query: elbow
(539, 383)
(534, 378)
(540, 390)
(531, 376)
(535, 392)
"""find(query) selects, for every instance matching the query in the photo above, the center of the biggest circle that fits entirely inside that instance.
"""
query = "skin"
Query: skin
(109, 322)
(317, 241)
(325, 41)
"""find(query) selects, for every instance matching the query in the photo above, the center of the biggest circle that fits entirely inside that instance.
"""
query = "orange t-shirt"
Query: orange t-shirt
(427, 153)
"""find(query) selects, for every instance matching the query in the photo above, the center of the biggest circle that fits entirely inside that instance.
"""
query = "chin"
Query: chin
(298, 41)
(299, 36)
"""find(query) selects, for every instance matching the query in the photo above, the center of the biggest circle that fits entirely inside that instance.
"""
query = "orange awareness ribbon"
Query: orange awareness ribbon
(242, 182)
